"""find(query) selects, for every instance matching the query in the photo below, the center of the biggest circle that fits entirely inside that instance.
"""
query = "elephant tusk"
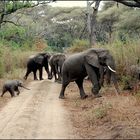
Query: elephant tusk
(111, 69)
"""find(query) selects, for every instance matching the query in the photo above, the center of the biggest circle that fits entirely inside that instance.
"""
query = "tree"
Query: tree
(121, 22)
(107, 18)
(66, 25)
(92, 21)
(8, 7)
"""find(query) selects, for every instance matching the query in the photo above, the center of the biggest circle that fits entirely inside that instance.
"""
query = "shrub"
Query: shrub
(78, 46)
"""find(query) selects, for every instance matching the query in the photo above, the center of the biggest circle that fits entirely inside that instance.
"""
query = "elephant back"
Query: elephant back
(41, 58)
(38, 59)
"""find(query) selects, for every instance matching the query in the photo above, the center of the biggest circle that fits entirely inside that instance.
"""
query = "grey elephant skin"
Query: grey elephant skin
(105, 75)
(88, 63)
(11, 86)
(56, 61)
(135, 71)
(37, 62)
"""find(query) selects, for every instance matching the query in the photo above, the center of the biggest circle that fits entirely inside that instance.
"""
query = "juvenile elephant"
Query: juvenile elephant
(37, 62)
(135, 71)
(89, 62)
(11, 86)
(133, 77)
(56, 61)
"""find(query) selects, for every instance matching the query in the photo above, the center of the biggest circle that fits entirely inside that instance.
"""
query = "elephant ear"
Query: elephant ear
(92, 59)
(94, 55)
(39, 59)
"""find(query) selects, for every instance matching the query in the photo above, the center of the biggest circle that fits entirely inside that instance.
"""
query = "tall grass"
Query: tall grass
(125, 54)
(11, 60)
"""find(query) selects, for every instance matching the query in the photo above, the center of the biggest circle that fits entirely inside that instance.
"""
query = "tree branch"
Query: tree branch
(135, 3)
(7, 21)
(26, 4)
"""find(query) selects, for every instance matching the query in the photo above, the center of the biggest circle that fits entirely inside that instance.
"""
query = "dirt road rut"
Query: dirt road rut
(37, 113)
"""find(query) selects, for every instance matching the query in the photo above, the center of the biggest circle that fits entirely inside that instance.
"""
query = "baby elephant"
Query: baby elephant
(11, 86)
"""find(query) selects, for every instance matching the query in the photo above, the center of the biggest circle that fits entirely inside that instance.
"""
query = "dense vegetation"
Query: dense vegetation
(46, 28)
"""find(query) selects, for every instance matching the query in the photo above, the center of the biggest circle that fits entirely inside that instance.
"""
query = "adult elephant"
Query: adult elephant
(56, 61)
(87, 63)
(37, 62)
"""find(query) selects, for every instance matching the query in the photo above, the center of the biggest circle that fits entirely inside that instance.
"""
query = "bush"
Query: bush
(78, 46)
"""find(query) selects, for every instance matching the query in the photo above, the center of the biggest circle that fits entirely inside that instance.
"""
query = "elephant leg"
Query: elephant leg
(102, 73)
(55, 76)
(79, 82)
(59, 74)
(64, 85)
(18, 92)
(35, 77)
(12, 92)
(3, 92)
(49, 73)
(27, 73)
(108, 77)
(40, 74)
(94, 76)
(56, 72)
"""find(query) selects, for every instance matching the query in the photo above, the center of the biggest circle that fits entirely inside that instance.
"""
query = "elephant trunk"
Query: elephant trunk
(25, 87)
(114, 79)
(111, 67)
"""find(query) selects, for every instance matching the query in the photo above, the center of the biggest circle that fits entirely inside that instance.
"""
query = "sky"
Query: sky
(69, 3)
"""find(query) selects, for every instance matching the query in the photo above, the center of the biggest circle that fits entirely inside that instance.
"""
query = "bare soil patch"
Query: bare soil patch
(108, 117)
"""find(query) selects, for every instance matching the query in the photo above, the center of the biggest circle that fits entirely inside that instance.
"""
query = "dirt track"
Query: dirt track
(37, 113)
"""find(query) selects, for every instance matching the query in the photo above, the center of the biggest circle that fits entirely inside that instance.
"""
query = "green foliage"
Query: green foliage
(121, 22)
(129, 24)
(66, 25)
(11, 6)
(54, 49)
(15, 37)
(78, 46)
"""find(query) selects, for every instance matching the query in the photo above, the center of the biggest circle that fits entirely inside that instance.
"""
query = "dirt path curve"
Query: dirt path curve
(37, 113)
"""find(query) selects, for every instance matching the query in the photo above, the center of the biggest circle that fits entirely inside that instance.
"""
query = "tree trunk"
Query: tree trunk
(93, 28)
(92, 21)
